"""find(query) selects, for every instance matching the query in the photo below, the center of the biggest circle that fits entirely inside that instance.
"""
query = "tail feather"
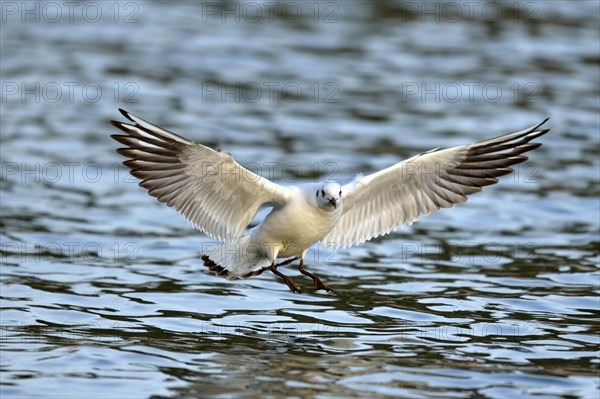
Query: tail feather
(241, 259)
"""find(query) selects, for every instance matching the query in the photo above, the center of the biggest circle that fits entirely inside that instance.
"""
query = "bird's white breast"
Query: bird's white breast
(291, 229)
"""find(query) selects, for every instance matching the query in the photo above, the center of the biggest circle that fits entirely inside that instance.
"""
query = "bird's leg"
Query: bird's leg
(286, 262)
(293, 287)
(316, 281)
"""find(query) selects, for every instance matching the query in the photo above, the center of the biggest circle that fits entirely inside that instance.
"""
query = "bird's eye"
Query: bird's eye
(323, 193)
(340, 193)
(317, 193)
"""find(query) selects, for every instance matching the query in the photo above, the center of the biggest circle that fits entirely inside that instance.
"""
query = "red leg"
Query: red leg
(316, 280)
(290, 283)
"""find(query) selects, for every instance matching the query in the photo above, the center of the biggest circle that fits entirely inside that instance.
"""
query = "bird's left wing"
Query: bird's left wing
(378, 203)
(209, 188)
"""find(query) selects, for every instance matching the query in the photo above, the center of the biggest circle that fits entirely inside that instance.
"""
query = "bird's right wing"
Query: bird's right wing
(378, 203)
(209, 188)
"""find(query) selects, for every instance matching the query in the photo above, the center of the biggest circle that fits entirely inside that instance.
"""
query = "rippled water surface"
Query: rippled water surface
(103, 293)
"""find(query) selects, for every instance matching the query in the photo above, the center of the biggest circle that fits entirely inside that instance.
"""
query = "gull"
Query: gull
(220, 197)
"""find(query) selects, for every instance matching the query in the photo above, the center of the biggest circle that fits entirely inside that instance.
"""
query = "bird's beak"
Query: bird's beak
(333, 202)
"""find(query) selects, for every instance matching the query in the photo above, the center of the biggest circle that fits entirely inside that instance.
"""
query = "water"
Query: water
(103, 292)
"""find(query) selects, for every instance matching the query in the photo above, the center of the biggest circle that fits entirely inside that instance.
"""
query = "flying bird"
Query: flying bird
(220, 197)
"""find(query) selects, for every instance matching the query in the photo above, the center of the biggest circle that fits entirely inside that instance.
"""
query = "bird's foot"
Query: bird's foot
(290, 283)
(293, 287)
(319, 285)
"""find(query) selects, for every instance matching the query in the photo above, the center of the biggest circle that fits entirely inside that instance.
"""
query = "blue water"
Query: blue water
(103, 293)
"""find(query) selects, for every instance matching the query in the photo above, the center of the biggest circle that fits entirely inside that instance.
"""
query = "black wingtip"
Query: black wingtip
(121, 138)
(541, 123)
(117, 124)
(126, 114)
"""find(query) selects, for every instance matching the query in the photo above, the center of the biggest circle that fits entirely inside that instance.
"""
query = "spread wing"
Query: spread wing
(378, 203)
(209, 188)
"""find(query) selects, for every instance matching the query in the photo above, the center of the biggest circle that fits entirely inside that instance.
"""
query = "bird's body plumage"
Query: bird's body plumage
(220, 197)
(300, 223)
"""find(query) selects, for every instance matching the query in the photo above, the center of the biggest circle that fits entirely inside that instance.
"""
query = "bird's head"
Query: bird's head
(329, 196)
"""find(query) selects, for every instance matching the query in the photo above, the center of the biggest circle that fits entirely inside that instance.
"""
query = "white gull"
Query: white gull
(220, 197)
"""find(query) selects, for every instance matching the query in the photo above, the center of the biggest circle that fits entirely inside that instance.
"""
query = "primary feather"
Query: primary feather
(209, 188)
(378, 203)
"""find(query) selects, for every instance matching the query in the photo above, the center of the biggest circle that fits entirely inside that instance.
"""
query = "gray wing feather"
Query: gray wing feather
(209, 188)
(376, 204)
